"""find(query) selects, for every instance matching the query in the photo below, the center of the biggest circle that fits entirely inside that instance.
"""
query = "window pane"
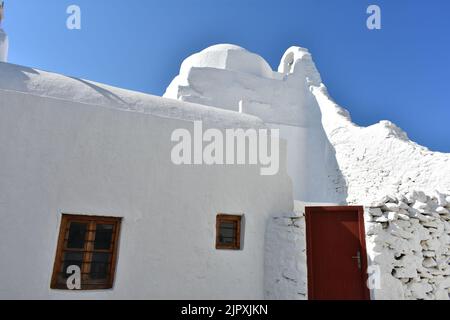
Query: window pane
(103, 236)
(100, 265)
(77, 234)
(71, 259)
(87, 242)
(227, 232)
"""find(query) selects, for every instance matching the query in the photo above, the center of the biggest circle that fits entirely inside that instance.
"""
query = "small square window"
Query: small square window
(91, 244)
(228, 232)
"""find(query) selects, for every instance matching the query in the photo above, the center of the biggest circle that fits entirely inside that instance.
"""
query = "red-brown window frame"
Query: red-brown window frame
(236, 245)
(88, 250)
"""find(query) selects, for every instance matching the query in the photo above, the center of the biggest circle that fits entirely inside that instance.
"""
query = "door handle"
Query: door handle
(358, 258)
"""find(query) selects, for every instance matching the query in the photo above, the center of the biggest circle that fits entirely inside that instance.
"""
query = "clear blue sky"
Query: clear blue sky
(400, 73)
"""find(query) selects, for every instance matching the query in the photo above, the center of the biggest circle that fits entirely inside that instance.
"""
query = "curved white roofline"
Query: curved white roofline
(46, 84)
(224, 46)
(228, 57)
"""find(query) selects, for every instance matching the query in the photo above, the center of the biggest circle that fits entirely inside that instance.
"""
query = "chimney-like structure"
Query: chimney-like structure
(3, 37)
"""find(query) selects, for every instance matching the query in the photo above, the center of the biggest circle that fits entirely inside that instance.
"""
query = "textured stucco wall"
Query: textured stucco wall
(65, 157)
(380, 160)
(281, 99)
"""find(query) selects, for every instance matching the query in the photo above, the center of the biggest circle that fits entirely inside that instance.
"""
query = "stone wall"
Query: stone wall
(408, 239)
(285, 258)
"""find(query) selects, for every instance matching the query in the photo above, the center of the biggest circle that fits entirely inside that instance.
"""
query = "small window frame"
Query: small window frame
(237, 219)
(90, 237)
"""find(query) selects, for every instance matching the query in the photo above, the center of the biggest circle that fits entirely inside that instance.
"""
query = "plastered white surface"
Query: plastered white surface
(60, 156)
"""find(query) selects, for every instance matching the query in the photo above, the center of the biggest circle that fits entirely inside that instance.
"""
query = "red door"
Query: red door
(336, 251)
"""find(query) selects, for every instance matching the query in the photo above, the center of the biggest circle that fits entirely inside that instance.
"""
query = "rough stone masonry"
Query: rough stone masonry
(408, 242)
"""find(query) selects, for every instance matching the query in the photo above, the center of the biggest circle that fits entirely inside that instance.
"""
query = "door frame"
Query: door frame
(362, 242)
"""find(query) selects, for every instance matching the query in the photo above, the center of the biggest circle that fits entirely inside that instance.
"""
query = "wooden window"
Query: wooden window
(91, 244)
(228, 232)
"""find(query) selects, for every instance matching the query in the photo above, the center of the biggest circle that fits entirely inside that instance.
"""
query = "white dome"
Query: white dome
(224, 46)
(228, 57)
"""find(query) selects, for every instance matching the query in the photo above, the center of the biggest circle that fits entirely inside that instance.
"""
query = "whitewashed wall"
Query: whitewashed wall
(286, 268)
(59, 157)
(286, 257)
(231, 78)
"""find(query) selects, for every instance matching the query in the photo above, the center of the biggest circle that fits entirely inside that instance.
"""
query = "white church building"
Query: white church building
(88, 187)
